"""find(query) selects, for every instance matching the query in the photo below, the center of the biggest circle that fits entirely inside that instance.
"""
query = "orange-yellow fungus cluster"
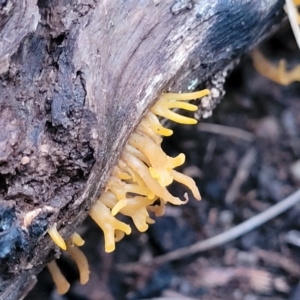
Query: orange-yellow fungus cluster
(71, 247)
(144, 171)
(138, 184)
(278, 74)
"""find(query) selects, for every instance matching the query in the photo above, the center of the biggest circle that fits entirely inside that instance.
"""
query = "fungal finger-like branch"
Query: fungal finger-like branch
(56, 237)
(80, 260)
(62, 285)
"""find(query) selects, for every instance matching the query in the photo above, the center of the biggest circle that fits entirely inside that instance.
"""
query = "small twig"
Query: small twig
(226, 130)
(278, 260)
(241, 175)
(210, 148)
(222, 238)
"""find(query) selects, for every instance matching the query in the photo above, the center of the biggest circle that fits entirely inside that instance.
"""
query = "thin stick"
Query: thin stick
(226, 130)
(222, 238)
(241, 175)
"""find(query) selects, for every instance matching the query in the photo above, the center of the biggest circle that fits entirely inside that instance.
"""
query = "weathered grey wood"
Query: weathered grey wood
(75, 79)
(17, 19)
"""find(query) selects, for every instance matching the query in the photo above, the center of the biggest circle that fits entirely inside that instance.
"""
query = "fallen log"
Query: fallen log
(76, 79)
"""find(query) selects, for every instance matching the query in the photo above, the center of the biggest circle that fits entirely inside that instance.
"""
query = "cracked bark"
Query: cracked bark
(75, 79)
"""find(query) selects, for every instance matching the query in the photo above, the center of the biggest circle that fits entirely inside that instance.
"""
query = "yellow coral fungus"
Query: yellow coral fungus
(160, 163)
(101, 214)
(163, 107)
(80, 260)
(280, 74)
(151, 122)
(56, 237)
(77, 239)
(277, 74)
(62, 285)
(144, 171)
(138, 184)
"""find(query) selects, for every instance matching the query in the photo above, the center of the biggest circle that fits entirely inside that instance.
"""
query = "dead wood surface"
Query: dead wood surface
(76, 77)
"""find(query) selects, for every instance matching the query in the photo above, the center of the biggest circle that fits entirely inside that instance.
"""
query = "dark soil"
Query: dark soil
(263, 264)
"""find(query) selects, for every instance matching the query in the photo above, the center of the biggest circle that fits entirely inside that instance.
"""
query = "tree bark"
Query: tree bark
(76, 77)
